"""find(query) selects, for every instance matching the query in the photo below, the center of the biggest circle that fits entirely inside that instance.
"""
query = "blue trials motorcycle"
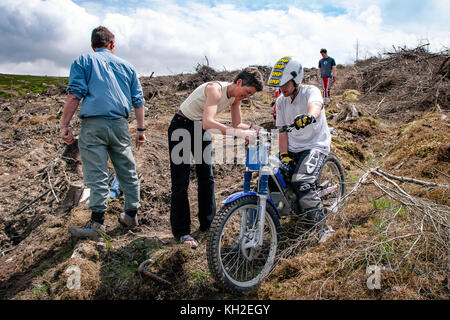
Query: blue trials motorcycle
(244, 235)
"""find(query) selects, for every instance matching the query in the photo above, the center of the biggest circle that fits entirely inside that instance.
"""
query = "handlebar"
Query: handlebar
(287, 128)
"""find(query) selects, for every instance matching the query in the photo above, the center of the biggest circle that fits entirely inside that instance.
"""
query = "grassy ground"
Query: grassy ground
(20, 85)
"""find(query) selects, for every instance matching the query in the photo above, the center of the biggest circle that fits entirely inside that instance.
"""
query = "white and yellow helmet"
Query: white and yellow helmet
(285, 70)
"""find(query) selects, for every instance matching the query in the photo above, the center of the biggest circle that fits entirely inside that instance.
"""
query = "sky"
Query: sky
(173, 36)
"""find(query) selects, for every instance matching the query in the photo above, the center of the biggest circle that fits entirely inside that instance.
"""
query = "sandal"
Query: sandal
(187, 238)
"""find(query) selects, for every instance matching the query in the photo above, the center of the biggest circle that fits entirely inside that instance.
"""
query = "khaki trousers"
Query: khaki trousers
(98, 139)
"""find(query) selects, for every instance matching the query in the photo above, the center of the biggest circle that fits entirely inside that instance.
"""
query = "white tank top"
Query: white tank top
(194, 105)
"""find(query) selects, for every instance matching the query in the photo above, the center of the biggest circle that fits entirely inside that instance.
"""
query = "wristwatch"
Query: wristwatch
(141, 129)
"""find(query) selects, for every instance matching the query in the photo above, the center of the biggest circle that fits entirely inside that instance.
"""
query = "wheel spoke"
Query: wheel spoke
(330, 176)
(234, 262)
(235, 267)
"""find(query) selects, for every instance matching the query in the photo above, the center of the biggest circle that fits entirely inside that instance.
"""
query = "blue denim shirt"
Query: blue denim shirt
(108, 85)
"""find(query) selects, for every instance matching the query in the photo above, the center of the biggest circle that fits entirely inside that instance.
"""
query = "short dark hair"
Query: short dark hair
(251, 77)
(101, 37)
(323, 50)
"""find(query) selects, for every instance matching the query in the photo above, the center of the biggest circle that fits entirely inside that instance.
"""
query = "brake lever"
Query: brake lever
(286, 128)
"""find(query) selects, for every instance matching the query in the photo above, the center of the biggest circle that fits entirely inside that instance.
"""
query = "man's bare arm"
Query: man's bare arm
(70, 107)
(140, 136)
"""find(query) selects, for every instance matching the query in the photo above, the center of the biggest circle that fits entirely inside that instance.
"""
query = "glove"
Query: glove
(303, 120)
(286, 160)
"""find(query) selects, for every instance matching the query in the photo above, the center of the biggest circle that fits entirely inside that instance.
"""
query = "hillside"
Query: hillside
(391, 121)
(12, 86)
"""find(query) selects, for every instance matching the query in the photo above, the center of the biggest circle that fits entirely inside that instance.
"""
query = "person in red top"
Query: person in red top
(274, 104)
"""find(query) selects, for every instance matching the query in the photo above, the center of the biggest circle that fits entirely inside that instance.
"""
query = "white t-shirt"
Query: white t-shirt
(315, 135)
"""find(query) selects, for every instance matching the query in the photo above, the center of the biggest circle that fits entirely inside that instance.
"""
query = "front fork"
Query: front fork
(252, 232)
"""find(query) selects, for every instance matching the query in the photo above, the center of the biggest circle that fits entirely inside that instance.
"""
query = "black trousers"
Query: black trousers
(186, 137)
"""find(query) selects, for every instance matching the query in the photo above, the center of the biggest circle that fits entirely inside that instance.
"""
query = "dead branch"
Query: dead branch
(49, 168)
(51, 188)
(36, 199)
(378, 106)
(3, 252)
(442, 172)
(403, 179)
(361, 181)
(155, 277)
(145, 266)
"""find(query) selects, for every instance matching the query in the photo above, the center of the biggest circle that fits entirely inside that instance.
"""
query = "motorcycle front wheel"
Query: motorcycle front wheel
(236, 267)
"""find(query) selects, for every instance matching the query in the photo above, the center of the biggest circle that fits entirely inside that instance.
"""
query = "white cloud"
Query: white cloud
(33, 31)
(43, 67)
(371, 16)
(171, 38)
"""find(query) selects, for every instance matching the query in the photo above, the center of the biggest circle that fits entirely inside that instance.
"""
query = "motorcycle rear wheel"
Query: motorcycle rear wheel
(331, 175)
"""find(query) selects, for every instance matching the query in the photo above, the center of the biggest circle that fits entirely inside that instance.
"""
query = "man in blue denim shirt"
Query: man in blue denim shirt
(108, 87)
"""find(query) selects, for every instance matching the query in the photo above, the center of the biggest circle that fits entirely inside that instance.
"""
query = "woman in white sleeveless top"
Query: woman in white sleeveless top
(188, 134)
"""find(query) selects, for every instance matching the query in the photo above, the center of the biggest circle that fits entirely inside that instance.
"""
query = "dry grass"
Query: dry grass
(409, 78)
(407, 237)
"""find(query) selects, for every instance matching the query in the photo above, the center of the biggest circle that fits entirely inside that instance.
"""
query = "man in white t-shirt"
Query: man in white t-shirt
(305, 149)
